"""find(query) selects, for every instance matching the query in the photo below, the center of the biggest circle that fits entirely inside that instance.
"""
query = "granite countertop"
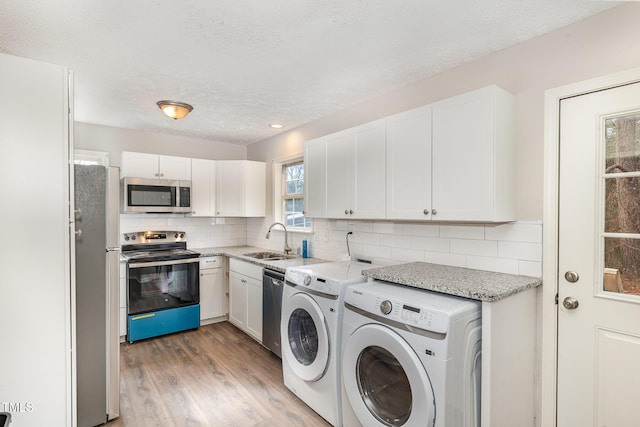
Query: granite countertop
(464, 282)
(239, 251)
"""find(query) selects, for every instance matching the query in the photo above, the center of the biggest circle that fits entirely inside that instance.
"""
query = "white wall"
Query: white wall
(115, 140)
(36, 358)
(600, 45)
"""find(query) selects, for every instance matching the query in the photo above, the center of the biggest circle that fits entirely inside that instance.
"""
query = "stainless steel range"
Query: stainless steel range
(163, 284)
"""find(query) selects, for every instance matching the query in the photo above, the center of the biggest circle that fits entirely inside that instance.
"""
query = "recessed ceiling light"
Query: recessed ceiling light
(276, 126)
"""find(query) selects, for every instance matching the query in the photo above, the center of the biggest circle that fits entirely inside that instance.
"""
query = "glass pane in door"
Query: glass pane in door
(621, 272)
(622, 144)
(622, 265)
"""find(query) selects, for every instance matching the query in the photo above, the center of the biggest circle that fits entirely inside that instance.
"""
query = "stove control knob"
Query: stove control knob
(386, 306)
(126, 237)
(176, 235)
(307, 280)
(182, 235)
(133, 237)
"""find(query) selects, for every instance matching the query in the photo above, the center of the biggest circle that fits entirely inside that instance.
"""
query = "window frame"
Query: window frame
(283, 196)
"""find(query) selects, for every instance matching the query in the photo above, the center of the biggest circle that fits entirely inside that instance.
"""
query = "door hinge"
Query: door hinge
(556, 299)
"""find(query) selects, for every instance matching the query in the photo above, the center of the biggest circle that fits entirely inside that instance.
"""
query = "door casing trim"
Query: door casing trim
(549, 322)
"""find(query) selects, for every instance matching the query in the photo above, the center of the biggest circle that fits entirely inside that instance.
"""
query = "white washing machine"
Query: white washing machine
(312, 307)
(410, 358)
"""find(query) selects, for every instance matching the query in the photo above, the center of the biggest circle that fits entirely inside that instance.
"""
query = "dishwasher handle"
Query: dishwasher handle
(275, 276)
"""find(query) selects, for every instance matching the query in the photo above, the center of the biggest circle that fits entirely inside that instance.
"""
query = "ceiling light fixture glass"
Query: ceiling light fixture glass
(276, 126)
(175, 110)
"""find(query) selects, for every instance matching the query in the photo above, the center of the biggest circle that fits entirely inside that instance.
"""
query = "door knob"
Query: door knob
(570, 303)
(571, 276)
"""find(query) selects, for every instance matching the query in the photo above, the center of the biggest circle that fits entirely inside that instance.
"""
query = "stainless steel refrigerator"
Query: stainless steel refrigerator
(97, 288)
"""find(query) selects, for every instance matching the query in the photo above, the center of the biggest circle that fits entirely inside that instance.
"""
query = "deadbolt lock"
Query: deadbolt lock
(571, 276)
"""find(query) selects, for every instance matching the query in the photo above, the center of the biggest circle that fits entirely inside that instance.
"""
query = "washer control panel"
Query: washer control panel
(419, 308)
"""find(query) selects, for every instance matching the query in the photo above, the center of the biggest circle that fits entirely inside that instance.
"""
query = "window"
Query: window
(293, 196)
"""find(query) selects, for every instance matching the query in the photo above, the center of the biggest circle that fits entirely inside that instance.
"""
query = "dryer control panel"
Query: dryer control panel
(421, 309)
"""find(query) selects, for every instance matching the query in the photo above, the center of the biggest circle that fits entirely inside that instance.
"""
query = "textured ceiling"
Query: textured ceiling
(244, 64)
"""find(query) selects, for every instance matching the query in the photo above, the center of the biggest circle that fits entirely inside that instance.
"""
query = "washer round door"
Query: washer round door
(306, 348)
(385, 382)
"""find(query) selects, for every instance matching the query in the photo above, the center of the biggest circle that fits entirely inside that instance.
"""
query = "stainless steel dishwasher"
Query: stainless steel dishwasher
(272, 284)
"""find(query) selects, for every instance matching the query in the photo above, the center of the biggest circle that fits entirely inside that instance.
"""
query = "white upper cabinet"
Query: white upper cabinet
(240, 188)
(368, 180)
(314, 178)
(448, 161)
(145, 165)
(203, 187)
(473, 157)
(337, 176)
(409, 164)
(355, 172)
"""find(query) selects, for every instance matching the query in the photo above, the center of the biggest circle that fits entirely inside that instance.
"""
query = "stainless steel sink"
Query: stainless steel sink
(268, 256)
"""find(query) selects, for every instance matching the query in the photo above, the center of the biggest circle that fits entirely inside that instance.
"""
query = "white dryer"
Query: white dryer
(312, 307)
(410, 358)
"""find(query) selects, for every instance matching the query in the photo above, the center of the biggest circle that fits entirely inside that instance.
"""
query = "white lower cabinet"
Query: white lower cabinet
(213, 299)
(245, 297)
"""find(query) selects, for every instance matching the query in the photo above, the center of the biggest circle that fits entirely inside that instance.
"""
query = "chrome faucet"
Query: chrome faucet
(287, 248)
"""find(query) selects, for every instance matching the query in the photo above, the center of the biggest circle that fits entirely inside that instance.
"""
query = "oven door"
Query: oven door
(153, 286)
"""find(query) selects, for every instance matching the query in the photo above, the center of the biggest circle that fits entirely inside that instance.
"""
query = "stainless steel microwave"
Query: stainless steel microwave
(142, 195)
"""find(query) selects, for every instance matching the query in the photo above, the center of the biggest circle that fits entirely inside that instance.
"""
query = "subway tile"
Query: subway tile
(464, 231)
(434, 244)
(474, 247)
(521, 251)
(396, 241)
(530, 268)
(515, 232)
(407, 255)
(387, 228)
(418, 229)
(500, 265)
(454, 260)
(375, 251)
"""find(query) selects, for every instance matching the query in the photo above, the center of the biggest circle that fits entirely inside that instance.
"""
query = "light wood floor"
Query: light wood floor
(214, 376)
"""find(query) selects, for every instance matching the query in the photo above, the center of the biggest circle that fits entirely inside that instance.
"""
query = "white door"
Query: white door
(599, 259)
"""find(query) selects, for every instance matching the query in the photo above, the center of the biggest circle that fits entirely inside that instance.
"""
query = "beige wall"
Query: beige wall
(601, 45)
(115, 140)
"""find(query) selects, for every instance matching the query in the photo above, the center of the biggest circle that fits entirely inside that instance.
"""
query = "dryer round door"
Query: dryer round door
(307, 339)
(384, 380)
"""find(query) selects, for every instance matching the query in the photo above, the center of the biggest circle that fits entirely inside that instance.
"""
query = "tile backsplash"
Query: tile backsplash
(201, 232)
(514, 248)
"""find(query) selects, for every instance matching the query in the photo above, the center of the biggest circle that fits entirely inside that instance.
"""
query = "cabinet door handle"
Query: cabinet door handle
(346, 212)
(426, 211)
(351, 212)
(434, 212)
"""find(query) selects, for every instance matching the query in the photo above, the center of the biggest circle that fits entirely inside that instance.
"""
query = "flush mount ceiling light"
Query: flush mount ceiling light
(175, 110)
(276, 126)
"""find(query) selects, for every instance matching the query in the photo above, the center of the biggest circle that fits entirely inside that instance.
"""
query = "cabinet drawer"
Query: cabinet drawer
(246, 268)
(211, 262)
